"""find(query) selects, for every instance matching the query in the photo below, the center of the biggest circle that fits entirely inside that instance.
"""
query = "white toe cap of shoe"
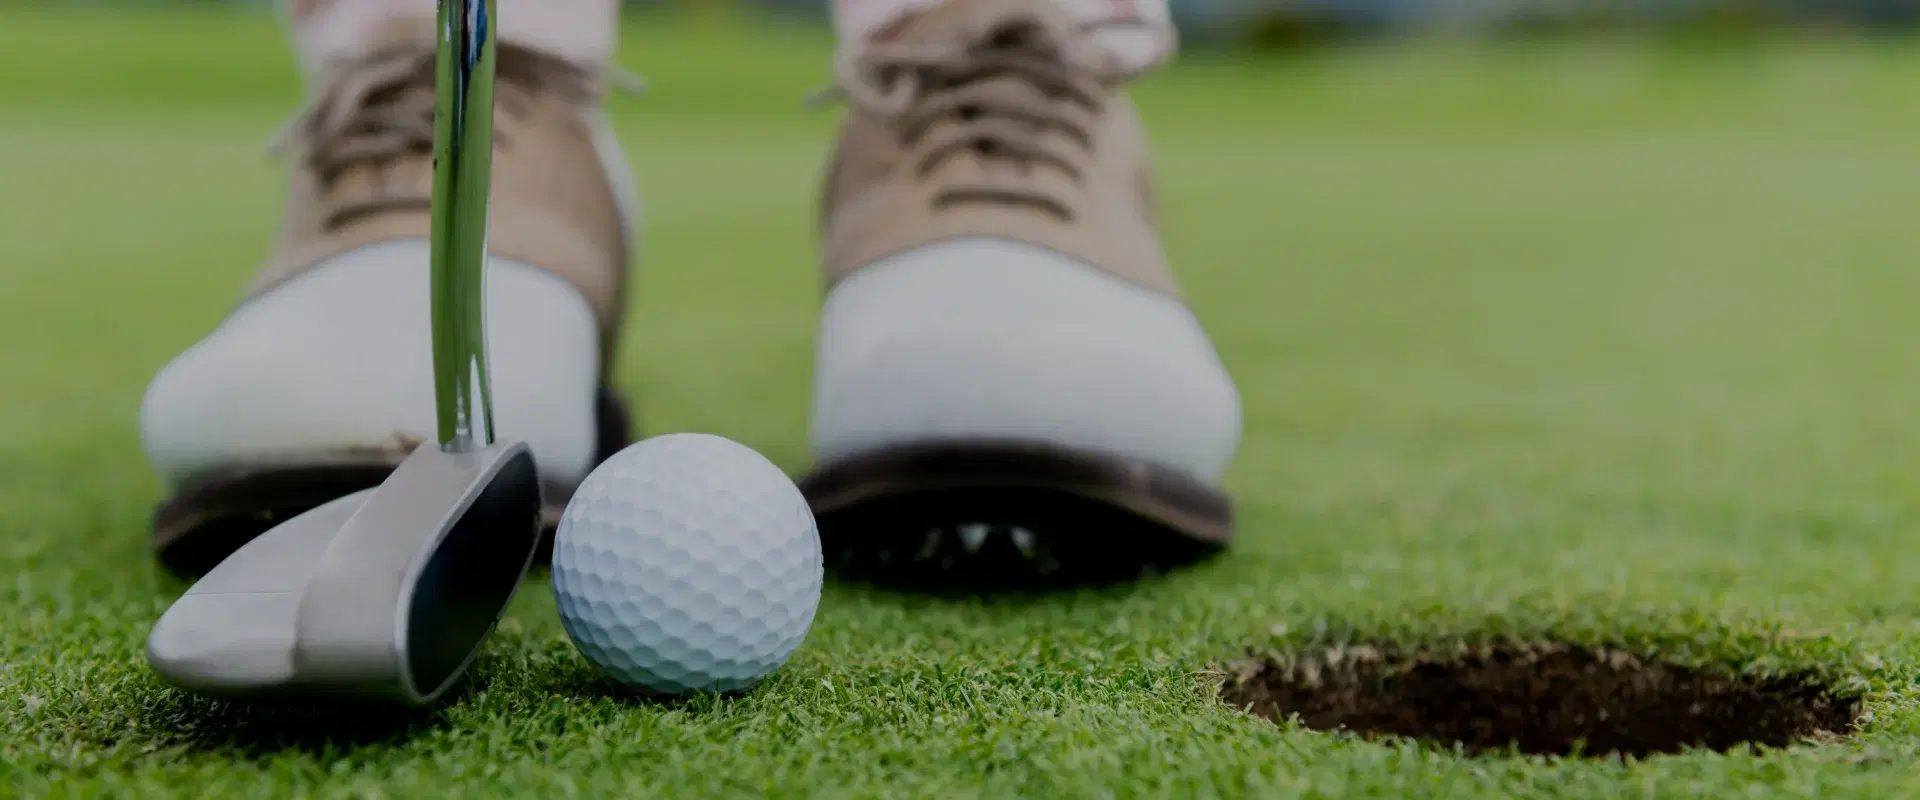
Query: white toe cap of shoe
(993, 338)
(341, 357)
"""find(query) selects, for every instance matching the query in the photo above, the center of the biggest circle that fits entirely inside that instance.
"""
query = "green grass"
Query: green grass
(1611, 342)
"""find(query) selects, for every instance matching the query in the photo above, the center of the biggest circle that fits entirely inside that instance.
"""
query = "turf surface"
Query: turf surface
(1604, 342)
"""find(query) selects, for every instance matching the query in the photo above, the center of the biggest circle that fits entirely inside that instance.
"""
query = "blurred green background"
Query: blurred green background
(1548, 323)
(1284, 24)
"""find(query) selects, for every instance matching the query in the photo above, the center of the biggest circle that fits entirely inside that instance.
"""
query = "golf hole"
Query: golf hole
(1546, 699)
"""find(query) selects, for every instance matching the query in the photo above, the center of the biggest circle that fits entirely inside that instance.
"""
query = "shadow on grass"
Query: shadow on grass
(255, 729)
(323, 727)
(910, 596)
(575, 679)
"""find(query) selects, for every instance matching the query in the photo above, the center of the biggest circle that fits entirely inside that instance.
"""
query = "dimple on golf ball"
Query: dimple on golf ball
(687, 563)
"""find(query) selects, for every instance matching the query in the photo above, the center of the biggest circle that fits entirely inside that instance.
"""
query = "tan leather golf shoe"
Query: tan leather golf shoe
(320, 381)
(1009, 387)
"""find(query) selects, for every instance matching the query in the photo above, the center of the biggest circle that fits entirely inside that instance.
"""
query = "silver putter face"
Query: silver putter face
(384, 594)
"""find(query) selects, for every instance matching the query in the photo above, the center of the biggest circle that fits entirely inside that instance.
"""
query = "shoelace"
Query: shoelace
(938, 91)
(383, 110)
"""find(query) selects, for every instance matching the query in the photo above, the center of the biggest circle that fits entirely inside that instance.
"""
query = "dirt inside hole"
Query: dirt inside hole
(1552, 699)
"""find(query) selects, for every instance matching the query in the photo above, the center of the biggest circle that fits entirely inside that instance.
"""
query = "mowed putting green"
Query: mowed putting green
(1604, 344)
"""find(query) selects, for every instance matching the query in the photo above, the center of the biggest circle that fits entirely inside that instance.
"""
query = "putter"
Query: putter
(386, 594)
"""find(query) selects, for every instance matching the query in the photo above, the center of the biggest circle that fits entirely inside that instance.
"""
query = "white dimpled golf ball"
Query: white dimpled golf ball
(687, 563)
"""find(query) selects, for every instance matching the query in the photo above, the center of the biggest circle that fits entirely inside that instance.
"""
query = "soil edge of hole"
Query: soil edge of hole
(1538, 698)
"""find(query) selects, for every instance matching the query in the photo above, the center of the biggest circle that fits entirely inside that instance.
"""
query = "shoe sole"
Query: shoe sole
(968, 515)
(209, 518)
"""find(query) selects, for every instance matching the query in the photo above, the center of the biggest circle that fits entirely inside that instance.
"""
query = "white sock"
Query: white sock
(581, 31)
(1138, 32)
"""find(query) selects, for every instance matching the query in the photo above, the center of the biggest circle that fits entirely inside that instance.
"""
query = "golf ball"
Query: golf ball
(687, 563)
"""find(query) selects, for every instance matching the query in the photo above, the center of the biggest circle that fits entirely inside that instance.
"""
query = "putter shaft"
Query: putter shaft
(462, 166)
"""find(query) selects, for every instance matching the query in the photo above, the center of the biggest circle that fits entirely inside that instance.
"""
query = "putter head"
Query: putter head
(385, 594)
